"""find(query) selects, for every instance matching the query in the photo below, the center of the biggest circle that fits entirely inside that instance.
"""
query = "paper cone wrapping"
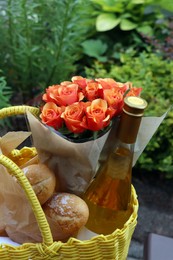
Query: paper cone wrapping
(148, 127)
(73, 163)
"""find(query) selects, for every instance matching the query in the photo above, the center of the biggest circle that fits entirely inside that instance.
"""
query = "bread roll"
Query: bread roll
(42, 179)
(66, 213)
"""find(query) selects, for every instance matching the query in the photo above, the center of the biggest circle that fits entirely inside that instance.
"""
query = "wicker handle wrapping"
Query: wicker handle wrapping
(14, 170)
(18, 110)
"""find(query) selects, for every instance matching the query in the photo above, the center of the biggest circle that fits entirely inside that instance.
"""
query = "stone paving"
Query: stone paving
(155, 214)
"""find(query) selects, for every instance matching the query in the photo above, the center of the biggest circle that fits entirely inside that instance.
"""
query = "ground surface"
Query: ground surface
(155, 212)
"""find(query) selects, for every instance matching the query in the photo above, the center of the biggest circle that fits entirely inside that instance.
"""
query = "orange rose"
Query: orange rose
(80, 81)
(50, 93)
(134, 92)
(107, 83)
(51, 115)
(122, 87)
(63, 95)
(91, 91)
(74, 117)
(96, 115)
(115, 101)
(65, 83)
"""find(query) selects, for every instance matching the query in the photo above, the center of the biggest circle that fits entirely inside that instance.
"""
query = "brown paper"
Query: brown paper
(17, 219)
(16, 215)
(11, 140)
(73, 163)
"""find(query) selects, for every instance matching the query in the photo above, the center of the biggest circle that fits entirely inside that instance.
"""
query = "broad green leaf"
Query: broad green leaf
(106, 22)
(94, 48)
(126, 15)
(146, 29)
(127, 25)
(102, 58)
(165, 4)
(137, 2)
(110, 5)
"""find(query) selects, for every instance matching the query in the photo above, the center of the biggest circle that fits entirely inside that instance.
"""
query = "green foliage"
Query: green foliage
(5, 96)
(95, 48)
(154, 75)
(167, 5)
(5, 93)
(40, 41)
(163, 44)
(154, 36)
(130, 14)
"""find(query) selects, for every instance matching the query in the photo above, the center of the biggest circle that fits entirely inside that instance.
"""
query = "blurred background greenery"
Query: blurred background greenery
(44, 42)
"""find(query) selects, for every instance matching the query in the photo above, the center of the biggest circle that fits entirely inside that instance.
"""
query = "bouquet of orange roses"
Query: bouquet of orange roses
(77, 117)
(84, 108)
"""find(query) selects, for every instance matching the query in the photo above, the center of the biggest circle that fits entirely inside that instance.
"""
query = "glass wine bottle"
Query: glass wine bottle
(109, 193)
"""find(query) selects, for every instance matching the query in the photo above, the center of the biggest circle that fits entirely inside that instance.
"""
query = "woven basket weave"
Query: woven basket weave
(111, 247)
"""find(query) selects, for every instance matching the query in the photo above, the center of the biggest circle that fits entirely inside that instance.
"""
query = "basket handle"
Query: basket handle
(18, 110)
(14, 170)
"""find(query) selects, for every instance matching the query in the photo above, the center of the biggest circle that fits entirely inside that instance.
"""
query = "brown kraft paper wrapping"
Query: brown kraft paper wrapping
(73, 163)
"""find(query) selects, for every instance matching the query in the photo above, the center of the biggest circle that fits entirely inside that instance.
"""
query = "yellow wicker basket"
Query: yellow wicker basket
(111, 247)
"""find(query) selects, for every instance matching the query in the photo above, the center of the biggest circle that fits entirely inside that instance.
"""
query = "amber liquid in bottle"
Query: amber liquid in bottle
(109, 193)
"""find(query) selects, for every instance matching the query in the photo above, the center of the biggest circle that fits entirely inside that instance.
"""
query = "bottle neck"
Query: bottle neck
(128, 128)
(128, 146)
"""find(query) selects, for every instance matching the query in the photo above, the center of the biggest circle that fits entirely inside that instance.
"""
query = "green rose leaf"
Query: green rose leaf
(127, 25)
(106, 22)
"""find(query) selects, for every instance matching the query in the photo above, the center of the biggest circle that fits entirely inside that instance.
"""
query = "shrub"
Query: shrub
(164, 43)
(40, 41)
(139, 15)
(154, 75)
(5, 93)
(125, 25)
(5, 96)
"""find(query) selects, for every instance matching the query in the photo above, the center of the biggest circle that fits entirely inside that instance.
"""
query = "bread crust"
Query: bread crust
(68, 212)
(42, 180)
